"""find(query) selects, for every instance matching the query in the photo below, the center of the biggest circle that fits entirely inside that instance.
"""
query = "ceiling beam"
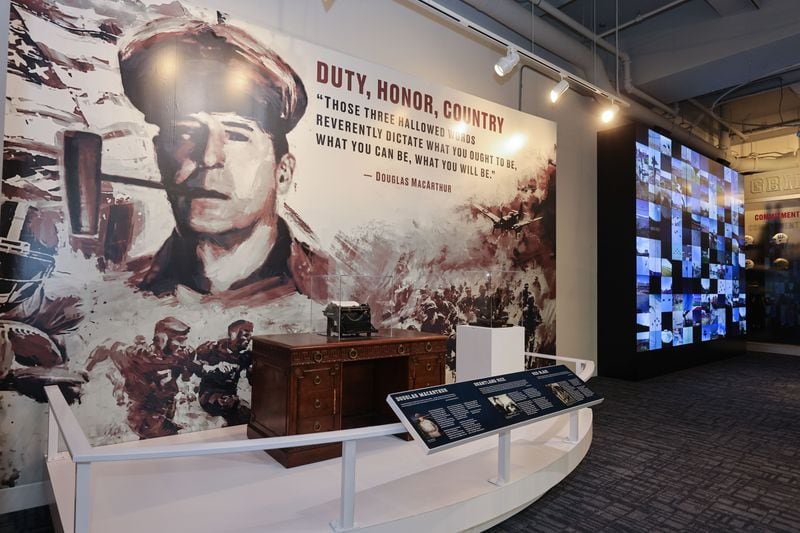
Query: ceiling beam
(731, 7)
(675, 63)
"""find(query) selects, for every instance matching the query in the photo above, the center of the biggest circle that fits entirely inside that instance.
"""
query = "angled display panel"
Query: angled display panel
(441, 417)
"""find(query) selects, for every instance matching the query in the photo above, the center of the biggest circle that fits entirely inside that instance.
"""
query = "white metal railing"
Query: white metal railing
(62, 420)
(584, 368)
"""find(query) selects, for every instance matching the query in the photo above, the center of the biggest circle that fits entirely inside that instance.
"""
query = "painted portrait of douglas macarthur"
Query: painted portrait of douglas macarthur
(223, 104)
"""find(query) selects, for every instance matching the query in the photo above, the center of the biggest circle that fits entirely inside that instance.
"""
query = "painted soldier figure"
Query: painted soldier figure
(531, 318)
(222, 364)
(223, 104)
(150, 374)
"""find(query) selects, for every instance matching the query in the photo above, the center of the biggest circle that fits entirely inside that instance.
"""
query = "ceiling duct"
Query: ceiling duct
(517, 18)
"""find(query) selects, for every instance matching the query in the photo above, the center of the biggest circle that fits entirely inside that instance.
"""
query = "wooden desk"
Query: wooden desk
(306, 382)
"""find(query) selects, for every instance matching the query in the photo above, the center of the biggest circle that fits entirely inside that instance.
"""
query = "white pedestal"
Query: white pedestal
(482, 352)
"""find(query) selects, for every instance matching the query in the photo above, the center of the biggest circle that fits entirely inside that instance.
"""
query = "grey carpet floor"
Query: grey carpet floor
(711, 448)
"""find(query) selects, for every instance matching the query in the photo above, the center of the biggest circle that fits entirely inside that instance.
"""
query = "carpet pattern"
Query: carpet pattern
(35, 520)
(711, 448)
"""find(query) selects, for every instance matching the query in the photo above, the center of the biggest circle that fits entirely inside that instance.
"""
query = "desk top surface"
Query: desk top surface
(316, 340)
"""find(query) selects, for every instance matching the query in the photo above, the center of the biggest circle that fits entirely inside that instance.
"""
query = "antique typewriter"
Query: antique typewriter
(348, 319)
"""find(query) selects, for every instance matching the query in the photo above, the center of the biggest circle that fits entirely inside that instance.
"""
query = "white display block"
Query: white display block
(482, 352)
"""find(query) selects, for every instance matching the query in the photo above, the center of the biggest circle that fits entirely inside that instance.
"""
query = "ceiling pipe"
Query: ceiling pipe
(641, 18)
(777, 72)
(537, 62)
(719, 119)
(724, 139)
(748, 165)
(646, 115)
(516, 17)
(790, 125)
(579, 28)
(630, 88)
(573, 24)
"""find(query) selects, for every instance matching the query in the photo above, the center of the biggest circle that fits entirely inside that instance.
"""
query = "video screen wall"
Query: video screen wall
(690, 267)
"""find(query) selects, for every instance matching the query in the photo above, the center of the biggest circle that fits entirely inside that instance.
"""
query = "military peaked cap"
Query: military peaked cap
(172, 67)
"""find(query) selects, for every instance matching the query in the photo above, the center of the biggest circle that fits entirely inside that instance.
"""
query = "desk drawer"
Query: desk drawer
(316, 356)
(391, 348)
(316, 424)
(425, 347)
(313, 381)
(426, 371)
(338, 354)
(317, 404)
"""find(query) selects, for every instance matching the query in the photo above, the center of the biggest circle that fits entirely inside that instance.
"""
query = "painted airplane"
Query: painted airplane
(512, 220)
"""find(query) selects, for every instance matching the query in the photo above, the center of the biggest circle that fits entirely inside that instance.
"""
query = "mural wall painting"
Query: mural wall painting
(176, 181)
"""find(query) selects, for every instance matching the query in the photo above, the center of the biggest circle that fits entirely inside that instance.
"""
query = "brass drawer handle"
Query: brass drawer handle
(317, 426)
(429, 367)
(317, 404)
(317, 356)
(401, 349)
(353, 353)
(428, 346)
(317, 380)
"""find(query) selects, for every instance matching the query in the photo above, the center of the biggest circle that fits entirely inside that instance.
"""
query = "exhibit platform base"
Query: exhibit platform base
(398, 487)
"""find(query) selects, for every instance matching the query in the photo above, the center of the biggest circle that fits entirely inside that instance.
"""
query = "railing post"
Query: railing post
(573, 427)
(503, 458)
(83, 495)
(347, 502)
(52, 435)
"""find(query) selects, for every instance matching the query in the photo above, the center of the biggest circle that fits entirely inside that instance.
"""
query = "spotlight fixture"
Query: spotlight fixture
(531, 59)
(609, 113)
(506, 64)
(559, 89)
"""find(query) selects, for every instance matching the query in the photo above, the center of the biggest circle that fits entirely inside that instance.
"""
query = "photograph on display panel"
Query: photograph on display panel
(176, 181)
(690, 264)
